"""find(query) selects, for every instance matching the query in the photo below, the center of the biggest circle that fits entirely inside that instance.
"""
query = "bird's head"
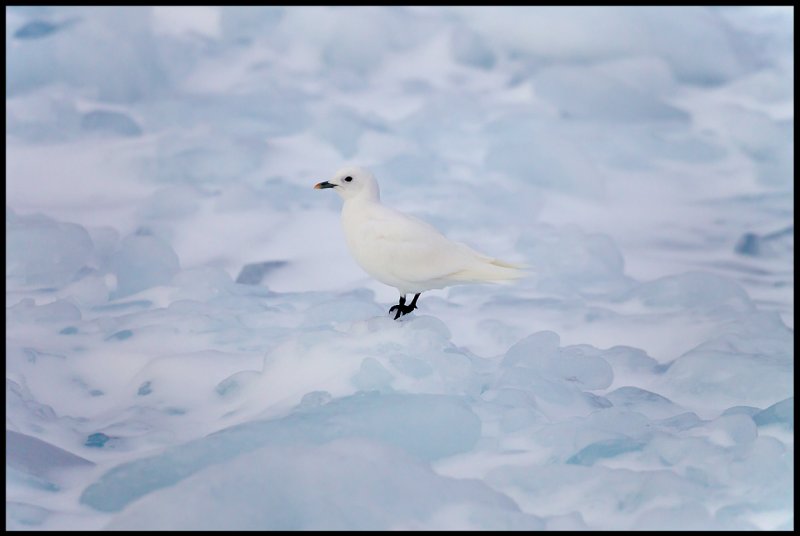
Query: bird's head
(353, 183)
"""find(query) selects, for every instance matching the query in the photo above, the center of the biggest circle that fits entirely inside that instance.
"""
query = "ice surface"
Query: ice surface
(22, 514)
(37, 29)
(771, 244)
(570, 261)
(651, 404)
(426, 426)
(238, 23)
(61, 311)
(471, 49)
(781, 413)
(34, 456)
(584, 94)
(533, 149)
(608, 448)
(580, 366)
(107, 122)
(44, 252)
(327, 487)
(596, 33)
(84, 56)
(189, 344)
(141, 262)
(750, 362)
(253, 274)
(694, 290)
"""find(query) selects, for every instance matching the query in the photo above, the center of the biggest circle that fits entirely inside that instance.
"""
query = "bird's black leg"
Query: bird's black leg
(413, 304)
(400, 307)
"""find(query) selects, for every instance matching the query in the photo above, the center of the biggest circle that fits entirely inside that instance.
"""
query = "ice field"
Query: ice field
(190, 345)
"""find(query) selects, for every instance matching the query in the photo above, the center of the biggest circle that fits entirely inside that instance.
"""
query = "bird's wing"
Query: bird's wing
(413, 250)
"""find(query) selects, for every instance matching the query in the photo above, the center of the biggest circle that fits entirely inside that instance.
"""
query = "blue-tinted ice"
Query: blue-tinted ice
(189, 344)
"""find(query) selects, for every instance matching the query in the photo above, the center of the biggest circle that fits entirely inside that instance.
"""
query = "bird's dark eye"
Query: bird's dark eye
(348, 179)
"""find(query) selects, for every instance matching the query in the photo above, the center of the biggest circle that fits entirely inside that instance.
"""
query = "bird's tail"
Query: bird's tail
(491, 270)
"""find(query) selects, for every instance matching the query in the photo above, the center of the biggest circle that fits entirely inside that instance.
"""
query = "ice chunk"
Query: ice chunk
(750, 362)
(58, 311)
(141, 262)
(38, 29)
(15, 477)
(781, 413)
(768, 142)
(774, 244)
(109, 122)
(689, 516)
(246, 117)
(22, 516)
(649, 74)
(36, 457)
(580, 365)
(533, 349)
(145, 389)
(354, 41)
(628, 361)
(232, 385)
(410, 366)
(171, 203)
(253, 274)
(347, 307)
(42, 251)
(608, 448)
(583, 93)
(108, 52)
(535, 150)
(326, 487)
(21, 408)
(694, 290)
(572, 521)
(427, 426)
(730, 430)
(471, 49)
(343, 128)
(373, 376)
(194, 158)
(97, 440)
(313, 399)
(617, 494)
(247, 23)
(202, 284)
(741, 410)
(42, 117)
(105, 241)
(694, 41)
(738, 517)
(651, 404)
(570, 261)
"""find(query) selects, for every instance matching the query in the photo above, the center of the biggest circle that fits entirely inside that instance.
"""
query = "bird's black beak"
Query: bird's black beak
(323, 185)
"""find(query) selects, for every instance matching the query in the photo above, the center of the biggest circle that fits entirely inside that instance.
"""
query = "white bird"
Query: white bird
(402, 251)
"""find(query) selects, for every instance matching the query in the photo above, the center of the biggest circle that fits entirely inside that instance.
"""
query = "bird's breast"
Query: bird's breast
(365, 246)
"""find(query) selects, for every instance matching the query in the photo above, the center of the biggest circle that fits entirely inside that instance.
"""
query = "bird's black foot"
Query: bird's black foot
(403, 309)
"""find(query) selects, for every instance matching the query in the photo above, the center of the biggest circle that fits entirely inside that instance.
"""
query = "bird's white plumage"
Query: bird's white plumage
(402, 251)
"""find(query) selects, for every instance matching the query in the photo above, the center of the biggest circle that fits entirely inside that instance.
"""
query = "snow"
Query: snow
(190, 345)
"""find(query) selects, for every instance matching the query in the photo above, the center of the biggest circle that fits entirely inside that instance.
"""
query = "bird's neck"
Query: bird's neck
(359, 208)
(366, 198)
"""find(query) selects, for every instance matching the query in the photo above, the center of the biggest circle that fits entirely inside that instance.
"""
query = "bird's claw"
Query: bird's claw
(402, 310)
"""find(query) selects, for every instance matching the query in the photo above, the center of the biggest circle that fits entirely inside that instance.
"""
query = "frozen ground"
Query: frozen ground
(189, 344)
